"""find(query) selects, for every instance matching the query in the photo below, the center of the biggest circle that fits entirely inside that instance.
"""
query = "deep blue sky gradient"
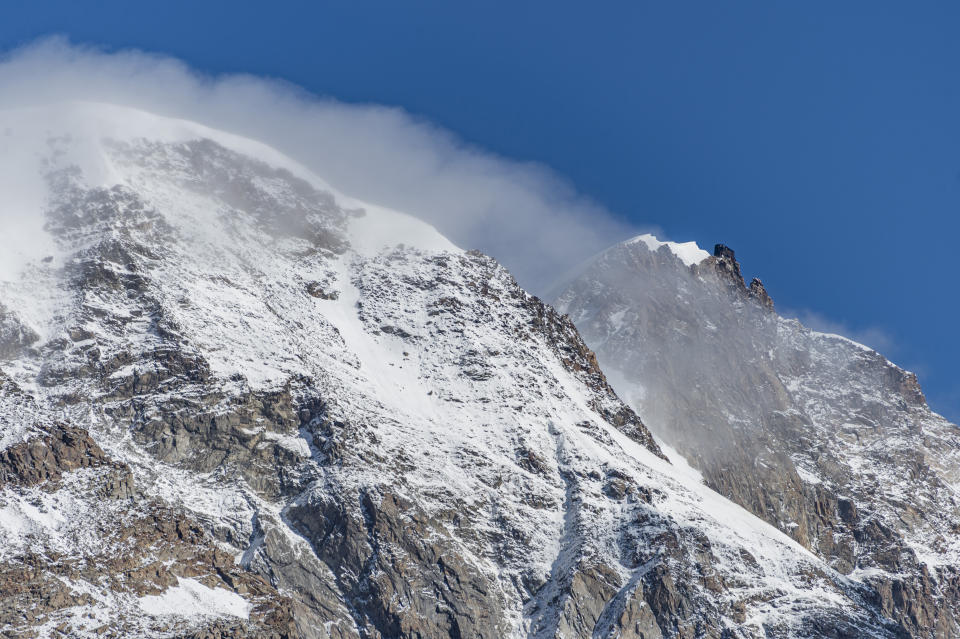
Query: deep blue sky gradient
(821, 140)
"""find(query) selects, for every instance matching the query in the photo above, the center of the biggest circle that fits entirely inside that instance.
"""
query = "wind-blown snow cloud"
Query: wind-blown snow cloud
(521, 213)
(21, 224)
(872, 336)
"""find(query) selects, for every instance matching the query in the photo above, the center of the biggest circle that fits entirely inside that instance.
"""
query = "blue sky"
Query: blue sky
(820, 140)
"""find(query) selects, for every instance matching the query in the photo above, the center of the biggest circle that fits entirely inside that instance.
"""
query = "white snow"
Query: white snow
(688, 252)
(382, 228)
(22, 519)
(191, 598)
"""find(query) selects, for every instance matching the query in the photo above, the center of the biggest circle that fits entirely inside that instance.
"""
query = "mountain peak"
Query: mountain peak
(724, 251)
(102, 145)
(724, 264)
(727, 267)
(820, 436)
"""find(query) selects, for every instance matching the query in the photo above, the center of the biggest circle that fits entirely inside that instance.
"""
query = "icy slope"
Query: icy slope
(822, 437)
(220, 379)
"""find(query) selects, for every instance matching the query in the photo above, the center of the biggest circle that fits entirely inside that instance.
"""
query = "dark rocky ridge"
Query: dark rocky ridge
(724, 263)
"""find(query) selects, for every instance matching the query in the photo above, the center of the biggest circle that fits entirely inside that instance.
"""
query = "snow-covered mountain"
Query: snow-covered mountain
(236, 403)
(818, 435)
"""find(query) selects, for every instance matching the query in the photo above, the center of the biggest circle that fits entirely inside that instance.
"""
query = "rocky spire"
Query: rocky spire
(759, 293)
(726, 266)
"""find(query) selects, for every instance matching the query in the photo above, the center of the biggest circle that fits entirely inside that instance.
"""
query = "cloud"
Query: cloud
(946, 401)
(522, 213)
(875, 337)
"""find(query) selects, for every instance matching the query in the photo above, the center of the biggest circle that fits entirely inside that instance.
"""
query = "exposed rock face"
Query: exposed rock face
(759, 294)
(131, 546)
(242, 394)
(726, 254)
(385, 553)
(726, 266)
(819, 436)
(47, 458)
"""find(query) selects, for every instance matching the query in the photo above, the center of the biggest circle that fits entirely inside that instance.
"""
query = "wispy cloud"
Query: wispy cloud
(522, 213)
(873, 336)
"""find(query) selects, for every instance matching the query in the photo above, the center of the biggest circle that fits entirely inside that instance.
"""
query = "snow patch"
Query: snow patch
(190, 597)
(688, 252)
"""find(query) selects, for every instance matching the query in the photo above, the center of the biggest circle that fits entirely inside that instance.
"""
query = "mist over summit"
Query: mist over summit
(527, 216)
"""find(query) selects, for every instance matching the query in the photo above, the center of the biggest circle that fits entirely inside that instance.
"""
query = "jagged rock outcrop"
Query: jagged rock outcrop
(758, 293)
(723, 266)
(725, 263)
(820, 436)
(47, 458)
